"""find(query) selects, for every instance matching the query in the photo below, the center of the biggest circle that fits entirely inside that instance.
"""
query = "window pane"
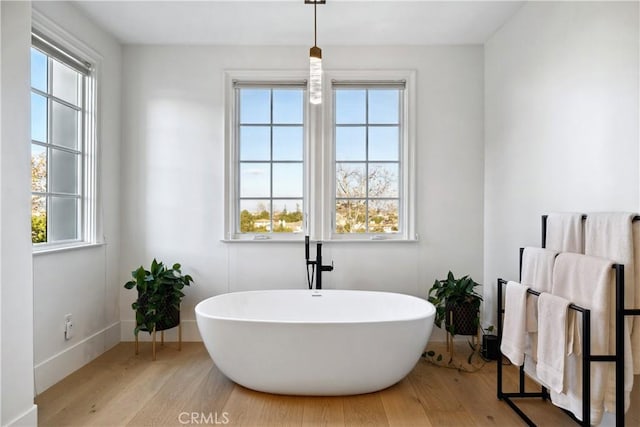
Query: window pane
(350, 180)
(38, 219)
(288, 106)
(384, 106)
(351, 216)
(38, 168)
(64, 172)
(38, 118)
(383, 180)
(351, 143)
(255, 106)
(350, 106)
(38, 70)
(287, 143)
(64, 124)
(64, 218)
(254, 180)
(255, 143)
(255, 216)
(383, 216)
(65, 82)
(384, 143)
(287, 180)
(287, 216)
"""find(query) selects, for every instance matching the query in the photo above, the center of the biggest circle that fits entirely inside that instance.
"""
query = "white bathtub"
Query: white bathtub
(325, 343)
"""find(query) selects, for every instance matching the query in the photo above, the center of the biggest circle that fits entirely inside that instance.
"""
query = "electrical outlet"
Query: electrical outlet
(68, 327)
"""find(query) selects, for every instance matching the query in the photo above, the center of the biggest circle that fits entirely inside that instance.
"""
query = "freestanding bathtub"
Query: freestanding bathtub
(324, 343)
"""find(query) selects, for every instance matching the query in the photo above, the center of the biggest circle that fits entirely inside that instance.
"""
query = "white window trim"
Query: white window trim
(90, 222)
(231, 155)
(319, 156)
(325, 224)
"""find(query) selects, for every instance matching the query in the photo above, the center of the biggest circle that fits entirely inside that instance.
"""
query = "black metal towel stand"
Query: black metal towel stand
(587, 357)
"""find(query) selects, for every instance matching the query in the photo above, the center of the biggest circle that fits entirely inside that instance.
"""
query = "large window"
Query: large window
(270, 146)
(59, 129)
(342, 170)
(367, 135)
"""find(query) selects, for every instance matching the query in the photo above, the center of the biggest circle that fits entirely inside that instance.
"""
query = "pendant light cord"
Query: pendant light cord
(315, 25)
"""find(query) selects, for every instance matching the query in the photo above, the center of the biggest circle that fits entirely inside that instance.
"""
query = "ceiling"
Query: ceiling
(290, 22)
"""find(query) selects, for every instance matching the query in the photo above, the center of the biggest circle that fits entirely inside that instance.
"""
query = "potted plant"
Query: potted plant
(159, 295)
(457, 304)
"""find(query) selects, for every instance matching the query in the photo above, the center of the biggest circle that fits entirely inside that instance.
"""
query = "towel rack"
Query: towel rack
(544, 227)
(587, 357)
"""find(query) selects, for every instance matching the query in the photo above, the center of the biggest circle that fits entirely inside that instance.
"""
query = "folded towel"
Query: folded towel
(610, 235)
(586, 281)
(513, 334)
(565, 232)
(552, 340)
(635, 327)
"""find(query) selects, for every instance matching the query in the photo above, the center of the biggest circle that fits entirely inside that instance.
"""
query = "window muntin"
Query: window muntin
(270, 147)
(58, 144)
(368, 142)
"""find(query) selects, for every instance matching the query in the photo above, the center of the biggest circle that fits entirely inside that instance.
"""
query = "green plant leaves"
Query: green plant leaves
(159, 289)
(452, 291)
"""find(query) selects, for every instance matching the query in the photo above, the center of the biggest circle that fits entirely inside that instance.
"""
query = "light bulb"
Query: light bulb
(315, 75)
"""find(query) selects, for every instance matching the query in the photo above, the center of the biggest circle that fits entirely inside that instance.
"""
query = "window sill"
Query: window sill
(332, 241)
(64, 248)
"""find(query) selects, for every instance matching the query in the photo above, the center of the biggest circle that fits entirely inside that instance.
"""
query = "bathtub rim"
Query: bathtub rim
(431, 309)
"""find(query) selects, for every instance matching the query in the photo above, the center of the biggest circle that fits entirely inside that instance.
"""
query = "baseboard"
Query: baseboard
(55, 368)
(28, 419)
(189, 332)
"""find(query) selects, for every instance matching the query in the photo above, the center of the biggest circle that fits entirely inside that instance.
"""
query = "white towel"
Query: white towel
(586, 281)
(635, 328)
(565, 232)
(610, 235)
(513, 335)
(537, 272)
(552, 340)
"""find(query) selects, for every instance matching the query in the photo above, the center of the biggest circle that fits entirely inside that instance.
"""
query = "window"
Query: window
(339, 171)
(370, 153)
(270, 150)
(60, 126)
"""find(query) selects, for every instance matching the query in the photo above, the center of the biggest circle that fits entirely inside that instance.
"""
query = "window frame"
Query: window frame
(319, 159)
(262, 79)
(407, 172)
(66, 44)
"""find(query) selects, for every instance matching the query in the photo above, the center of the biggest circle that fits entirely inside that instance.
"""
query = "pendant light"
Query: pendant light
(315, 60)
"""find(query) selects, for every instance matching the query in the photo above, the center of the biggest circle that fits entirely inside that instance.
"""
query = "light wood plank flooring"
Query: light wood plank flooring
(120, 389)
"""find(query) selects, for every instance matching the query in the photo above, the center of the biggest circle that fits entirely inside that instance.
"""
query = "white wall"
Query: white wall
(173, 173)
(561, 122)
(15, 270)
(83, 282)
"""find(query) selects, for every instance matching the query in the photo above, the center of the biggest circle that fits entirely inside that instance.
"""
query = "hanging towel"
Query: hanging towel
(635, 327)
(537, 272)
(513, 335)
(552, 340)
(610, 235)
(565, 232)
(588, 282)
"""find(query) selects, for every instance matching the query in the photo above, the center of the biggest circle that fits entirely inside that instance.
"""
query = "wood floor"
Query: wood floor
(185, 388)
